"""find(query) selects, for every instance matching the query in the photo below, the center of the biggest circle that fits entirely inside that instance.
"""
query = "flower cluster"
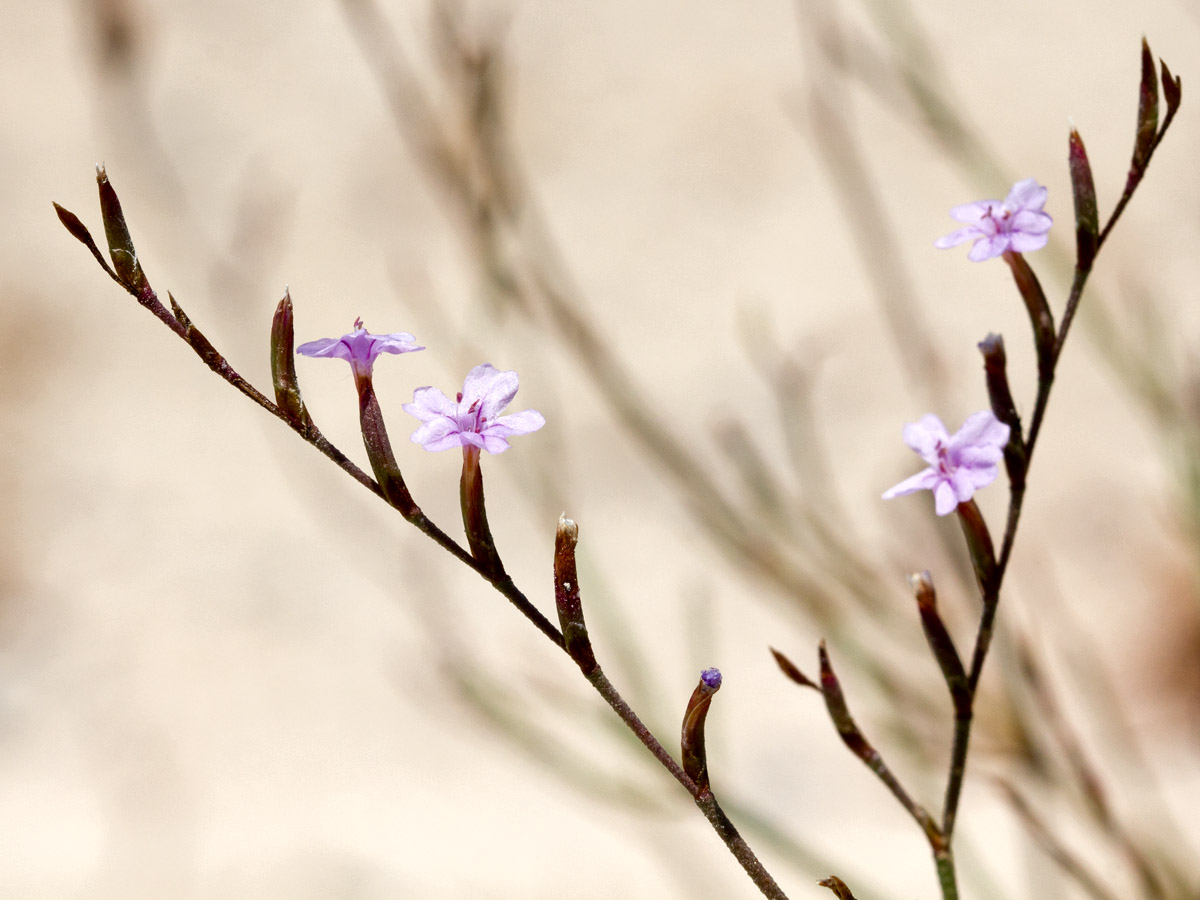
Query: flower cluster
(961, 464)
(473, 420)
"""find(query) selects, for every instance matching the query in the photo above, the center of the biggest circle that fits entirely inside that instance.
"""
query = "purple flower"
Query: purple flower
(360, 348)
(474, 420)
(1018, 224)
(959, 465)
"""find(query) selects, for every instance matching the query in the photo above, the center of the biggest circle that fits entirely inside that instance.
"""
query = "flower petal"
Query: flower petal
(988, 248)
(448, 442)
(325, 347)
(471, 437)
(924, 480)
(1026, 194)
(494, 443)
(428, 403)
(964, 484)
(978, 477)
(924, 435)
(493, 388)
(971, 213)
(954, 238)
(945, 501)
(524, 422)
(981, 428)
(978, 457)
(434, 430)
(1023, 242)
(1031, 222)
(399, 342)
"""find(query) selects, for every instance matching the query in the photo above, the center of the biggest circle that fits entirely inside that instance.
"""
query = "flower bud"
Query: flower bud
(283, 366)
(695, 764)
(1087, 215)
(1147, 127)
(838, 887)
(995, 368)
(567, 599)
(120, 243)
(941, 643)
(792, 671)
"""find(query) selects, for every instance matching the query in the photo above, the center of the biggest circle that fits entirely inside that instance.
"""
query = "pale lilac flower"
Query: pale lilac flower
(360, 347)
(473, 420)
(958, 465)
(1018, 224)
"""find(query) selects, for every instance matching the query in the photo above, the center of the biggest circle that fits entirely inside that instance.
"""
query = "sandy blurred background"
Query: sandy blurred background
(227, 671)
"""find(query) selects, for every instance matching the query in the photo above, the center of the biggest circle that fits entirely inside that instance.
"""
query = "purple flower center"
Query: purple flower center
(473, 419)
(944, 465)
(996, 221)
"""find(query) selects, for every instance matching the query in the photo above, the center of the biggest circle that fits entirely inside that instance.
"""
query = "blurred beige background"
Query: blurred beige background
(227, 672)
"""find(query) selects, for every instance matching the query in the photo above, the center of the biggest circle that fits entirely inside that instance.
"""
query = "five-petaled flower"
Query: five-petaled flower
(360, 348)
(1017, 224)
(473, 420)
(958, 465)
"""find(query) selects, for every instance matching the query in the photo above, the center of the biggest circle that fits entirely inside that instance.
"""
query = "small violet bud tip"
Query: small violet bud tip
(711, 678)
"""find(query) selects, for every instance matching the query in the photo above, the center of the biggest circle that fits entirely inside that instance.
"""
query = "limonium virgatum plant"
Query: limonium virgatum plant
(958, 465)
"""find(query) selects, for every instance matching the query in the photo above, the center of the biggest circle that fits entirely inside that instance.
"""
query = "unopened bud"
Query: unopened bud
(839, 888)
(120, 243)
(941, 643)
(695, 763)
(1087, 215)
(792, 671)
(283, 366)
(995, 368)
(567, 598)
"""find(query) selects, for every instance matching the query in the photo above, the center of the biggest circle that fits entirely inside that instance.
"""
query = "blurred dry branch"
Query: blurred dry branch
(779, 537)
(462, 143)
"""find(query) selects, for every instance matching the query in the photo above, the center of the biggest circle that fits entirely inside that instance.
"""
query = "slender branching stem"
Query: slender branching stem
(991, 592)
(487, 567)
(704, 798)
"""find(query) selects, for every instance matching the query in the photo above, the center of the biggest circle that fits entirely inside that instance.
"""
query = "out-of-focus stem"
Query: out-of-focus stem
(1050, 844)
